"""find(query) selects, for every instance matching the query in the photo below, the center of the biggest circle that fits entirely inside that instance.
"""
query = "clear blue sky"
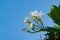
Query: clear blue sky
(12, 13)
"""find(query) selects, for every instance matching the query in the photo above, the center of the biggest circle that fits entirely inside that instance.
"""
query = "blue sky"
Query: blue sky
(13, 12)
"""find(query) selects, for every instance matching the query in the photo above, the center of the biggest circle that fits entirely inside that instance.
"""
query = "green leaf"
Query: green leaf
(57, 27)
(55, 14)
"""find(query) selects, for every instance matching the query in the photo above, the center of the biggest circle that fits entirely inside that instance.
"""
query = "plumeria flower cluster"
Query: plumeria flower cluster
(34, 15)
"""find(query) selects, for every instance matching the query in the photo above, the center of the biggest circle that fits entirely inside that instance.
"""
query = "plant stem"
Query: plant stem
(37, 23)
(42, 23)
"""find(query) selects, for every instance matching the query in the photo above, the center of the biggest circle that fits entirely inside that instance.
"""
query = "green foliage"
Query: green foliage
(55, 14)
(53, 33)
(57, 27)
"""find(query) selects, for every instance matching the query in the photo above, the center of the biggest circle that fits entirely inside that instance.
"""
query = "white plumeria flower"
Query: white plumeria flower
(36, 14)
(26, 20)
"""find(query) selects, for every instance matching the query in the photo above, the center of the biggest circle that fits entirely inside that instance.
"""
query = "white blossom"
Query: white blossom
(26, 20)
(35, 13)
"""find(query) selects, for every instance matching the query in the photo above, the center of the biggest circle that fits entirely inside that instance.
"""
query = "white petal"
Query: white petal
(36, 14)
